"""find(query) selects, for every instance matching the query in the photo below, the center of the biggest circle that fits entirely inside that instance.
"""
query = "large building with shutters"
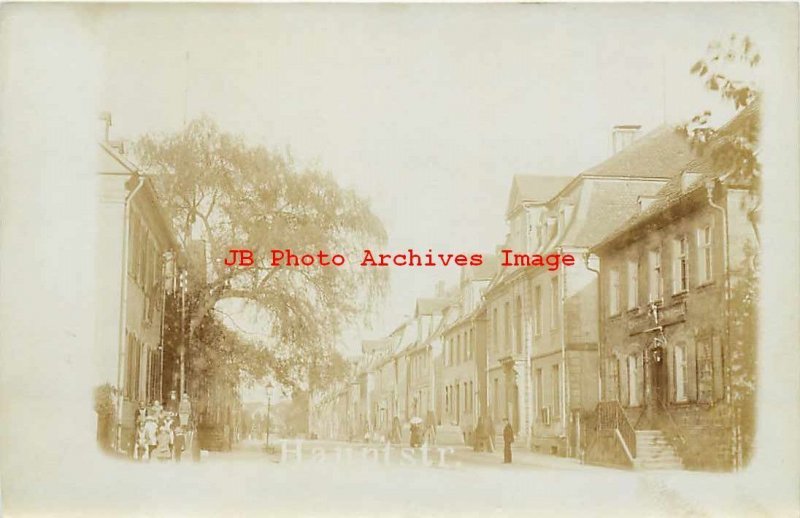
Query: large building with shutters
(667, 360)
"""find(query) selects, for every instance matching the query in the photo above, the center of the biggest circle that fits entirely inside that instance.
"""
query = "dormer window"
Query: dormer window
(552, 228)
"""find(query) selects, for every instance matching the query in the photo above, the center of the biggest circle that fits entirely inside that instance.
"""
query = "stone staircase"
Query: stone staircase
(653, 451)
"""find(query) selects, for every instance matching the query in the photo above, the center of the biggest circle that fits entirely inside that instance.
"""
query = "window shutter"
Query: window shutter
(669, 352)
(719, 387)
(691, 371)
(624, 376)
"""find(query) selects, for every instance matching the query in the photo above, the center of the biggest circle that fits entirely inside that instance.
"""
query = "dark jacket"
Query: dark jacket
(508, 433)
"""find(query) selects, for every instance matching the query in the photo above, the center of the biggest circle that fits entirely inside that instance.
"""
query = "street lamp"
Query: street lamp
(269, 405)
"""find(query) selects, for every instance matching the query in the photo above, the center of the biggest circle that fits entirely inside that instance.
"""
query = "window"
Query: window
(613, 292)
(495, 339)
(496, 398)
(539, 389)
(507, 327)
(705, 372)
(537, 310)
(554, 303)
(656, 281)
(633, 284)
(704, 255)
(634, 381)
(681, 375)
(518, 326)
(133, 367)
(556, 392)
(680, 265)
(458, 349)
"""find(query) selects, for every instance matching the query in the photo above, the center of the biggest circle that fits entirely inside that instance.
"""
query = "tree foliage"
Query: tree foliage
(238, 196)
(732, 150)
(733, 153)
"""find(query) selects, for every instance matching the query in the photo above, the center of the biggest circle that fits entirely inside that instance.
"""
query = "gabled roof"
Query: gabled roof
(379, 345)
(660, 154)
(431, 306)
(484, 272)
(603, 207)
(744, 122)
(529, 188)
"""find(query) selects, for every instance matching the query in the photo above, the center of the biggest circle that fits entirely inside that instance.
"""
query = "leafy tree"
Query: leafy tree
(733, 152)
(238, 196)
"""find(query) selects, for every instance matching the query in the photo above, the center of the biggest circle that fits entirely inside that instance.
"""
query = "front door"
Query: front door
(657, 377)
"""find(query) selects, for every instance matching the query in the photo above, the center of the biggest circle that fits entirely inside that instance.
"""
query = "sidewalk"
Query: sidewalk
(521, 458)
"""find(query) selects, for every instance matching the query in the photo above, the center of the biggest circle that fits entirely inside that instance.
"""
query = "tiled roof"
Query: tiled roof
(381, 344)
(484, 272)
(429, 306)
(746, 120)
(603, 207)
(660, 154)
(534, 188)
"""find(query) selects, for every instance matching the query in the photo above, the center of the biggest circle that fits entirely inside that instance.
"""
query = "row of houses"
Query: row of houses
(623, 358)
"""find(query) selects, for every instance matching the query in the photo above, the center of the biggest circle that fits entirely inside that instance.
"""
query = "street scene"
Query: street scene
(586, 307)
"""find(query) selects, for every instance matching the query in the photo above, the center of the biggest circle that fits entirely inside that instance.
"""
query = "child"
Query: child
(162, 449)
(140, 450)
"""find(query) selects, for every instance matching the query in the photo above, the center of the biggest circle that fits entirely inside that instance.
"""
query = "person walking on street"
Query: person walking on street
(508, 438)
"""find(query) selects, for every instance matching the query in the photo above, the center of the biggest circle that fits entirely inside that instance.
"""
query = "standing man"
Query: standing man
(184, 410)
(508, 438)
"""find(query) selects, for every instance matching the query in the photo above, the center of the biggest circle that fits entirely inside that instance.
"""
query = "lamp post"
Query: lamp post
(269, 405)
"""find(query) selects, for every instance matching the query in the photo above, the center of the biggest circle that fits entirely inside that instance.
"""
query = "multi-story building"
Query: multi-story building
(137, 267)
(507, 310)
(564, 302)
(666, 350)
(420, 355)
(463, 365)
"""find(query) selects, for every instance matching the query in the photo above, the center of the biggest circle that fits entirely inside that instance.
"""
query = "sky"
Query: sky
(426, 110)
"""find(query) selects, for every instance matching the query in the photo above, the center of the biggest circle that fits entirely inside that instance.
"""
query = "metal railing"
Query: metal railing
(671, 426)
(611, 416)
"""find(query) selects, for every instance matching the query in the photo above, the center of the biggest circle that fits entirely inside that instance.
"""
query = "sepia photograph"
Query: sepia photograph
(399, 259)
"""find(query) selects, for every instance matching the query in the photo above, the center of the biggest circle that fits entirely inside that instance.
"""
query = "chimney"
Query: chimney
(623, 135)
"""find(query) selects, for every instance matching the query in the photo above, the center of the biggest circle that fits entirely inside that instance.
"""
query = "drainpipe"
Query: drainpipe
(123, 305)
(710, 185)
(564, 380)
(600, 357)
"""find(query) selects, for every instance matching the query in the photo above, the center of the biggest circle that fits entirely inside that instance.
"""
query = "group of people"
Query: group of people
(161, 433)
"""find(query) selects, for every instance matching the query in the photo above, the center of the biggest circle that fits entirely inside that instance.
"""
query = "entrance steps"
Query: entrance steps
(653, 451)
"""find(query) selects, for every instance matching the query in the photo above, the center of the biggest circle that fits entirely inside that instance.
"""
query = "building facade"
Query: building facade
(137, 268)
